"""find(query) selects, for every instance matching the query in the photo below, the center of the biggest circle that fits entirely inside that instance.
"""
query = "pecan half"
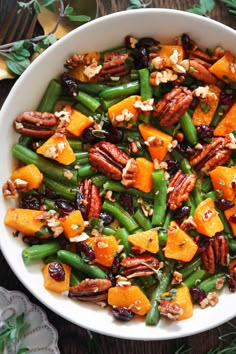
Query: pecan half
(200, 72)
(35, 124)
(211, 155)
(170, 310)
(215, 253)
(89, 200)
(90, 290)
(172, 106)
(9, 189)
(114, 64)
(129, 173)
(108, 159)
(141, 265)
(179, 188)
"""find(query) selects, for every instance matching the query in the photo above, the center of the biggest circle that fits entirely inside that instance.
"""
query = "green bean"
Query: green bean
(125, 89)
(196, 193)
(148, 281)
(25, 141)
(134, 74)
(160, 197)
(211, 283)
(85, 110)
(191, 204)
(74, 278)
(227, 227)
(220, 111)
(109, 231)
(162, 237)
(206, 185)
(129, 135)
(145, 90)
(75, 261)
(188, 128)
(49, 169)
(196, 277)
(169, 217)
(176, 155)
(108, 103)
(88, 101)
(50, 97)
(122, 236)
(231, 243)
(99, 180)
(120, 214)
(153, 315)
(142, 220)
(68, 192)
(37, 252)
(118, 187)
(81, 158)
(52, 258)
(92, 88)
(75, 144)
(156, 91)
(190, 267)
(86, 171)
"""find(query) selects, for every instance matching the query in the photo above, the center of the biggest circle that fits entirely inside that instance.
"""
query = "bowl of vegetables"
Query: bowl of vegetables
(119, 175)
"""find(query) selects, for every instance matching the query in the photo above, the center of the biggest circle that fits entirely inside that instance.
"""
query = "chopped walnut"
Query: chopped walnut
(204, 92)
(163, 76)
(154, 141)
(125, 115)
(219, 283)
(9, 190)
(230, 141)
(177, 278)
(146, 105)
(92, 70)
(158, 62)
(170, 310)
(174, 57)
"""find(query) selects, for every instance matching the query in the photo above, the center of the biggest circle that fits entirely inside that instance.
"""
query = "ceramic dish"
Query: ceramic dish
(101, 34)
(41, 337)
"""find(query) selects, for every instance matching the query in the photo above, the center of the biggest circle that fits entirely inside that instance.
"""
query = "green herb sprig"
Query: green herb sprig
(204, 8)
(231, 5)
(138, 4)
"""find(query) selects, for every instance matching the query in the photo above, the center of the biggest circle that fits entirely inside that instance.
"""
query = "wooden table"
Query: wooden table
(73, 339)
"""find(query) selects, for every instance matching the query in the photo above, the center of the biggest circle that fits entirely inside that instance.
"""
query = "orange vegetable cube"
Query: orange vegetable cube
(73, 224)
(179, 245)
(144, 176)
(124, 110)
(205, 110)
(227, 124)
(183, 299)
(78, 123)
(224, 68)
(29, 173)
(146, 240)
(130, 296)
(157, 141)
(105, 249)
(26, 221)
(222, 178)
(79, 71)
(206, 218)
(53, 284)
(166, 50)
(228, 213)
(57, 148)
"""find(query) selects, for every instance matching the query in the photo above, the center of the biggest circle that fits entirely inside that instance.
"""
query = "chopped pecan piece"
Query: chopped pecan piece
(89, 200)
(114, 64)
(215, 253)
(173, 105)
(141, 265)
(9, 189)
(36, 124)
(179, 188)
(129, 173)
(200, 72)
(170, 310)
(108, 159)
(91, 290)
(210, 156)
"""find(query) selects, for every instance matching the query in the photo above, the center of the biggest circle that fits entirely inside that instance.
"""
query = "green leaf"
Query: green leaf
(208, 5)
(45, 3)
(196, 9)
(37, 7)
(68, 10)
(79, 18)
(17, 67)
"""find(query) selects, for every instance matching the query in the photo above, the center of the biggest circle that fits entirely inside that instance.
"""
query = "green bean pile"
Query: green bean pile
(131, 210)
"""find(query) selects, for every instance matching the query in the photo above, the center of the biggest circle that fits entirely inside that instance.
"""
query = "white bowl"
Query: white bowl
(100, 34)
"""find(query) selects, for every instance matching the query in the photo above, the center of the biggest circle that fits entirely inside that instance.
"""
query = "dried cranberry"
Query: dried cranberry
(115, 264)
(194, 103)
(232, 218)
(185, 149)
(88, 137)
(31, 240)
(231, 282)
(70, 86)
(197, 295)
(51, 194)
(147, 42)
(83, 249)
(64, 206)
(140, 58)
(182, 212)
(127, 201)
(106, 218)
(56, 271)
(79, 204)
(30, 201)
(203, 243)
(205, 131)
(224, 204)
(64, 242)
(186, 42)
(173, 167)
(122, 313)
(227, 97)
(114, 134)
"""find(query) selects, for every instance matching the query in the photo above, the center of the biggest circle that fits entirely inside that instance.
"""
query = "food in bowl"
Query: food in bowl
(127, 178)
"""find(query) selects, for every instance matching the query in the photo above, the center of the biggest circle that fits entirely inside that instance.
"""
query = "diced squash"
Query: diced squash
(78, 71)
(206, 218)
(122, 113)
(26, 221)
(73, 224)
(183, 299)
(222, 178)
(130, 296)
(105, 249)
(228, 123)
(146, 240)
(205, 110)
(56, 285)
(166, 50)
(228, 213)
(179, 245)
(78, 122)
(144, 176)
(57, 148)
(157, 141)
(29, 173)
(224, 68)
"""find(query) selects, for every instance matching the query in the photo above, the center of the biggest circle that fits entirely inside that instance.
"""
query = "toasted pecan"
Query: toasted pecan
(215, 253)
(90, 200)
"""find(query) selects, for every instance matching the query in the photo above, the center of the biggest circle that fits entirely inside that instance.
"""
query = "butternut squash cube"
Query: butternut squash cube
(144, 176)
(53, 284)
(146, 240)
(105, 249)
(227, 124)
(78, 71)
(29, 173)
(73, 224)
(224, 68)
(183, 299)
(228, 213)
(124, 109)
(222, 178)
(78, 123)
(167, 50)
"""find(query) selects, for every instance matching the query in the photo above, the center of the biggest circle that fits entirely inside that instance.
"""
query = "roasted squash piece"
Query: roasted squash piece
(29, 173)
(105, 249)
(228, 123)
(122, 114)
(167, 50)
(57, 286)
(146, 240)
(78, 122)
(222, 178)
(183, 299)
(73, 224)
(228, 213)
(79, 71)
(224, 68)
(144, 176)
